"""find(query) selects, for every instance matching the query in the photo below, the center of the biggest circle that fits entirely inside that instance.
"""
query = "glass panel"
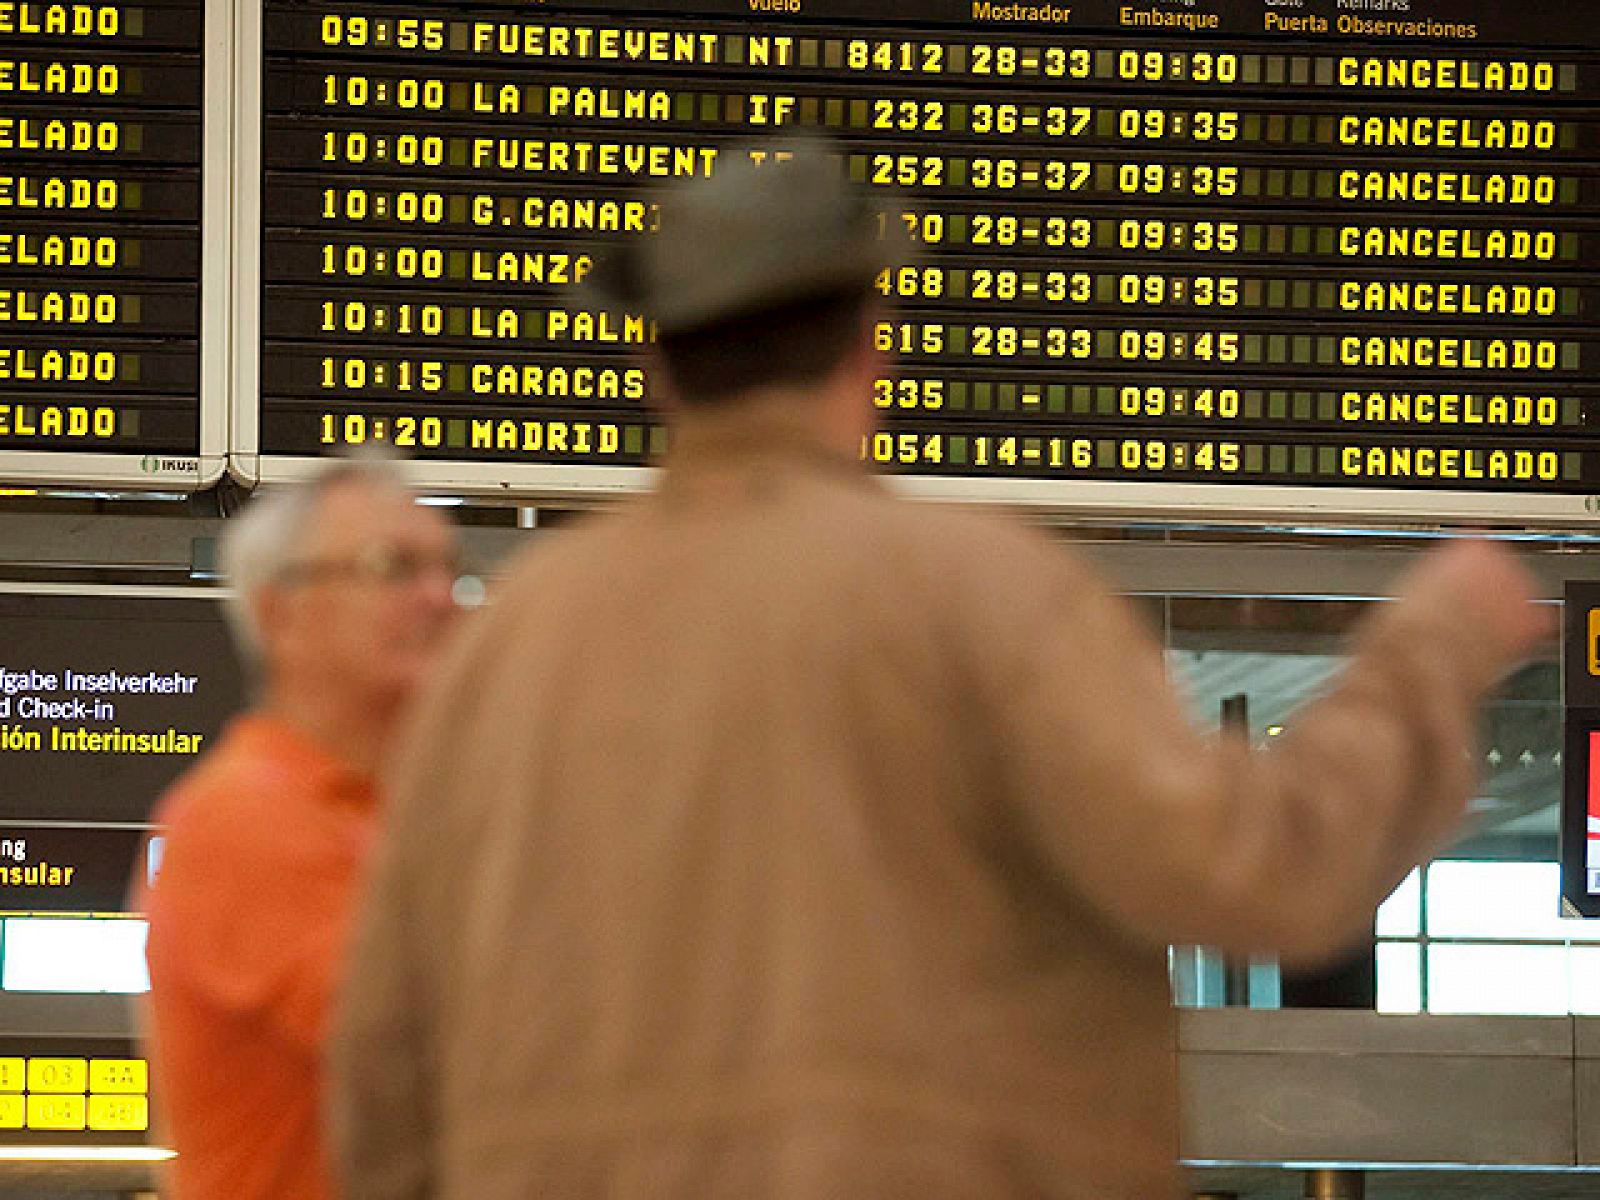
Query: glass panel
(44, 954)
(1497, 900)
(1584, 968)
(1401, 914)
(1503, 980)
(1273, 686)
(1198, 980)
(1399, 977)
(1266, 983)
(1514, 815)
(155, 852)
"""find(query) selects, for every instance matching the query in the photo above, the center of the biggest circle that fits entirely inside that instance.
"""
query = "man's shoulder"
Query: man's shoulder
(961, 533)
(235, 828)
(236, 777)
(866, 524)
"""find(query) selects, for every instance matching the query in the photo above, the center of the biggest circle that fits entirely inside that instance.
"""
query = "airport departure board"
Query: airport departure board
(1322, 245)
(100, 207)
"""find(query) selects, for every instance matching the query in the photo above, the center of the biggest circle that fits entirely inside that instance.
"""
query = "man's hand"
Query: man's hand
(1482, 591)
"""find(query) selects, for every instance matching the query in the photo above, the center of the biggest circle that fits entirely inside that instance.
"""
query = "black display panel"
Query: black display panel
(1220, 242)
(73, 870)
(105, 701)
(100, 204)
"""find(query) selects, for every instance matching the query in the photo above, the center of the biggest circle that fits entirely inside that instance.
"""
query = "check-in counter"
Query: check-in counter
(1502, 1107)
(1506, 1108)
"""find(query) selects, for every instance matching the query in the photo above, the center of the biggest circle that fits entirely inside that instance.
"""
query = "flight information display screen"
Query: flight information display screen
(1332, 244)
(100, 203)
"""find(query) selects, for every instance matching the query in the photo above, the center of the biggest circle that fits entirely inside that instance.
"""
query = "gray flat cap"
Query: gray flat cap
(752, 238)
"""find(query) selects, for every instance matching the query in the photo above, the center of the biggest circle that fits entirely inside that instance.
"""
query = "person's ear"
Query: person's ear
(866, 362)
(270, 608)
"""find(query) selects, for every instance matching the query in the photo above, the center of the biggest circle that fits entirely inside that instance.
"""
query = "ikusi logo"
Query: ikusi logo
(152, 464)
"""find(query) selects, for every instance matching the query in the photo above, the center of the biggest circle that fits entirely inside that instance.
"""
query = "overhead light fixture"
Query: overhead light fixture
(470, 591)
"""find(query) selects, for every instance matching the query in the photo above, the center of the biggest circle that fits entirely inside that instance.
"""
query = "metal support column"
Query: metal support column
(1336, 1185)
(1235, 720)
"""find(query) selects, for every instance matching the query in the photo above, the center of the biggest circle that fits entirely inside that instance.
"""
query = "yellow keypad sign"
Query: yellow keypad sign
(119, 1076)
(119, 1113)
(60, 1075)
(65, 1094)
(63, 1113)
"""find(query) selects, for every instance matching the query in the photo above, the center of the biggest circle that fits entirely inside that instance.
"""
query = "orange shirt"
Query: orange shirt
(266, 840)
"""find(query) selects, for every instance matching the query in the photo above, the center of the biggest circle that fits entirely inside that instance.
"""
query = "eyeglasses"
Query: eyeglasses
(389, 565)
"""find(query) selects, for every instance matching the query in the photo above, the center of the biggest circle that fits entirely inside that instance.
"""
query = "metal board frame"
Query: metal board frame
(218, 172)
(246, 238)
(178, 473)
(1120, 502)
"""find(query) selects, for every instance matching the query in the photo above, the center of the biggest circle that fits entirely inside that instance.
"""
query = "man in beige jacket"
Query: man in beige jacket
(777, 838)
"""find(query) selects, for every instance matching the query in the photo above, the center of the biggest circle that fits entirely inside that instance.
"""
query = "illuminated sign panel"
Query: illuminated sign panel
(100, 207)
(1220, 243)
(103, 703)
(72, 869)
(105, 699)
